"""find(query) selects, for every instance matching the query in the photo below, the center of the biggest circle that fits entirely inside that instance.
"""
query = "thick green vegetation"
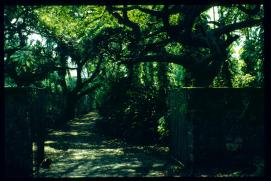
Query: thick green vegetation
(125, 58)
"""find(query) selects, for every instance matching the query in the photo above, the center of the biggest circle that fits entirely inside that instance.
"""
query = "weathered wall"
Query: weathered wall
(18, 144)
(24, 123)
(217, 125)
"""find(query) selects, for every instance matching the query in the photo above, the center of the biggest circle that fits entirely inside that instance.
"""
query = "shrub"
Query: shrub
(131, 113)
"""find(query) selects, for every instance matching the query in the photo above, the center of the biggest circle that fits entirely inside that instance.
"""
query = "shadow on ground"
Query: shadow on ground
(79, 151)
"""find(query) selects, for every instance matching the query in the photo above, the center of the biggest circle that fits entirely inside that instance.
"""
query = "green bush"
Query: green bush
(131, 113)
(163, 130)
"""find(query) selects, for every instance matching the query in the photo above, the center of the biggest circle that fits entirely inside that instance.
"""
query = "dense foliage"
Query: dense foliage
(131, 113)
(123, 59)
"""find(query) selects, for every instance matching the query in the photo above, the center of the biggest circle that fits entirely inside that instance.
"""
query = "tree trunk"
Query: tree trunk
(163, 85)
(145, 73)
(151, 72)
(201, 81)
(226, 75)
(71, 102)
(162, 75)
(130, 73)
(136, 74)
(79, 71)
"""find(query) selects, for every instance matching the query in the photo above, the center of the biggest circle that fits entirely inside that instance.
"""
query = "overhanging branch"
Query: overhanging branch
(184, 60)
(230, 40)
(231, 27)
(250, 12)
(93, 76)
(123, 20)
(90, 89)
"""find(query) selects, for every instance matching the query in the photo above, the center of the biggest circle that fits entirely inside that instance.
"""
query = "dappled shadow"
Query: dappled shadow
(79, 151)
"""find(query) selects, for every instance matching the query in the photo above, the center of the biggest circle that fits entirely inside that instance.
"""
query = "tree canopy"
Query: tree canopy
(76, 50)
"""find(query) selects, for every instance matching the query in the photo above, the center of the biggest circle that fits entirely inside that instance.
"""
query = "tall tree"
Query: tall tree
(206, 48)
(74, 42)
(25, 62)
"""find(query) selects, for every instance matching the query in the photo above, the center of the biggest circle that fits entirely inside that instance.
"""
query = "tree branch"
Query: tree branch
(231, 27)
(250, 12)
(150, 12)
(93, 76)
(154, 46)
(185, 60)
(123, 20)
(191, 13)
(161, 30)
(230, 40)
(144, 10)
(214, 22)
(10, 51)
(93, 87)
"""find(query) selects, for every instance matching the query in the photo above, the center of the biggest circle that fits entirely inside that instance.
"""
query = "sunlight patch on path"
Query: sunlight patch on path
(80, 152)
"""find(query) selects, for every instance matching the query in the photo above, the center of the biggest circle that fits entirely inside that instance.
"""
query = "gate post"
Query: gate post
(18, 142)
(181, 127)
(38, 124)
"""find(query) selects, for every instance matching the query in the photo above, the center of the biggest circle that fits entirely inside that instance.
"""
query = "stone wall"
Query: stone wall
(24, 123)
(217, 126)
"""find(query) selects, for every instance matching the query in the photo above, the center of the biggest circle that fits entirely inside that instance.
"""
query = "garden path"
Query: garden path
(80, 151)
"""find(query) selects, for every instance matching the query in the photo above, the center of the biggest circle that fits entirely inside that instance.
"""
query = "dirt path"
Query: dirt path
(81, 152)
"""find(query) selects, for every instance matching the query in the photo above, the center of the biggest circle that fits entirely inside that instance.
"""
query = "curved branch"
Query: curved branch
(191, 13)
(250, 12)
(214, 23)
(154, 46)
(185, 60)
(123, 20)
(144, 10)
(230, 40)
(231, 27)
(93, 76)
(158, 14)
(90, 89)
